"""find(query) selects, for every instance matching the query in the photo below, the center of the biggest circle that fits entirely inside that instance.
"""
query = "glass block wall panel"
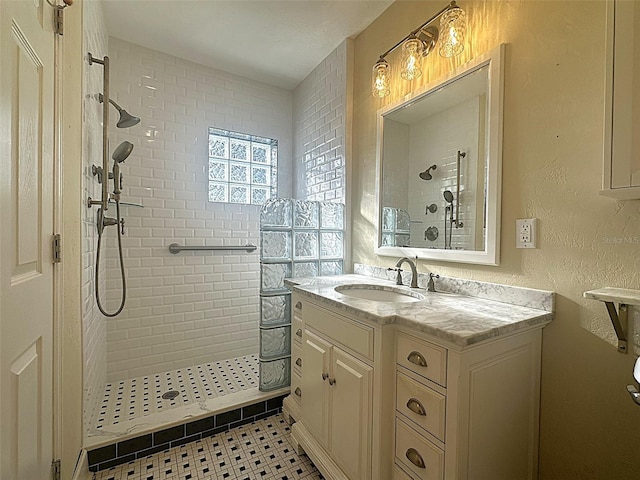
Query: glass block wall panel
(299, 238)
(305, 269)
(275, 245)
(396, 225)
(274, 310)
(331, 268)
(305, 214)
(276, 213)
(275, 374)
(403, 223)
(332, 216)
(273, 275)
(275, 342)
(331, 244)
(305, 245)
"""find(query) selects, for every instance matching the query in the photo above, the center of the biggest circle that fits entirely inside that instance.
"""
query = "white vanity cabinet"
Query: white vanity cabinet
(373, 401)
(467, 414)
(334, 414)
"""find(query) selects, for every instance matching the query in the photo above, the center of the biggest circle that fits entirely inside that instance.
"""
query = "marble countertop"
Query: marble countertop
(460, 319)
(611, 294)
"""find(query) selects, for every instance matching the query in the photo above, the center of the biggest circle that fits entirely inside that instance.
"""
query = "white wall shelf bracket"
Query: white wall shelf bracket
(619, 318)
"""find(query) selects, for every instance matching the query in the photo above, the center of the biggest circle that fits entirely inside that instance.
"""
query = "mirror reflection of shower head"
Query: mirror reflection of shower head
(426, 175)
(123, 151)
(448, 196)
(126, 119)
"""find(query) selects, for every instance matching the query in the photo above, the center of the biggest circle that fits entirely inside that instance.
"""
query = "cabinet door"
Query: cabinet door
(350, 414)
(315, 399)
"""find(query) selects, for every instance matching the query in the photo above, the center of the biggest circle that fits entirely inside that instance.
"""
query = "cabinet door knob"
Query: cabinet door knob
(325, 376)
(416, 407)
(417, 358)
(299, 332)
(298, 392)
(415, 458)
(332, 381)
(299, 362)
(299, 305)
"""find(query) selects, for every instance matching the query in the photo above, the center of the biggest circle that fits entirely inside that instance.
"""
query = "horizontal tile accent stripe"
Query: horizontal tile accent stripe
(140, 447)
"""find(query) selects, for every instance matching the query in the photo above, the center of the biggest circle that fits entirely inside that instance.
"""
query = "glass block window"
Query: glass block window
(242, 168)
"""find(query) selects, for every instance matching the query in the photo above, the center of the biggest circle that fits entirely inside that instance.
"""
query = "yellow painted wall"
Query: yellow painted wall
(552, 162)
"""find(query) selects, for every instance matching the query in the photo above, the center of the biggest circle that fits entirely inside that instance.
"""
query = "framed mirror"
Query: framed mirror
(439, 163)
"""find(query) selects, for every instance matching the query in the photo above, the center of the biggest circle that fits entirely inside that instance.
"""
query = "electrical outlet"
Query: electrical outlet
(526, 233)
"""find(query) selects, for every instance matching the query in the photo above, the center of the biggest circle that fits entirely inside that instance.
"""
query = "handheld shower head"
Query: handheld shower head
(426, 175)
(126, 119)
(123, 151)
(448, 196)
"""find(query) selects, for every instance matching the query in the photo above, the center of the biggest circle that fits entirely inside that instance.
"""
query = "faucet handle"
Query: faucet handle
(399, 275)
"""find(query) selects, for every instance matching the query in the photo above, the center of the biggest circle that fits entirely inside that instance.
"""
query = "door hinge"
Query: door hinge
(55, 470)
(57, 248)
(59, 21)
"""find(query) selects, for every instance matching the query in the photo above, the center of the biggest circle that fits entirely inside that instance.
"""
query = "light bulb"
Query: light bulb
(453, 26)
(380, 82)
(411, 58)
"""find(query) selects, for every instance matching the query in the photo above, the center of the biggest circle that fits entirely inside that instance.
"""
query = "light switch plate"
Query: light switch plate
(526, 232)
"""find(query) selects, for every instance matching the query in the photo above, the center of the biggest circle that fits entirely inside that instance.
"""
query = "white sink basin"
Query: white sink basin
(379, 293)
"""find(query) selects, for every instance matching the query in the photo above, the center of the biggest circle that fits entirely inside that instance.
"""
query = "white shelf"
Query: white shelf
(625, 296)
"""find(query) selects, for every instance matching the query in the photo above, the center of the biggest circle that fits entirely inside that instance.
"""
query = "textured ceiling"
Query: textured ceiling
(276, 42)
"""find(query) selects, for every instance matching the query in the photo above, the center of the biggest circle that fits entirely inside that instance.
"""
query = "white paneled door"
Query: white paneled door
(26, 228)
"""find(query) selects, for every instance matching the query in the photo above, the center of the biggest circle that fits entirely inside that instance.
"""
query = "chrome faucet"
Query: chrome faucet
(431, 285)
(414, 272)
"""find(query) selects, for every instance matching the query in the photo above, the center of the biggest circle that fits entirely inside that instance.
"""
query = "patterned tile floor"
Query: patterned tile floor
(258, 451)
(138, 397)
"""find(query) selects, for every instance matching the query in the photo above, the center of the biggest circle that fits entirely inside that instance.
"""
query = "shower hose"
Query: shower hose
(97, 275)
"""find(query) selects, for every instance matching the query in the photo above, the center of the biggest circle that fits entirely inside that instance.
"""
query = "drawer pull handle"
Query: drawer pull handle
(325, 376)
(298, 392)
(299, 305)
(332, 381)
(299, 332)
(417, 358)
(299, 362)
(416, 407)
(415, 458)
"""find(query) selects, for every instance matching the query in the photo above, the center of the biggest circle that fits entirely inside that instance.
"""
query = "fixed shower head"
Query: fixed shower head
(123, 151)
(126, 119)
(426, 175)
(448, 196)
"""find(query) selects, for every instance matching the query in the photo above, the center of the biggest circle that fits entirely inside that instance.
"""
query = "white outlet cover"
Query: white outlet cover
(526, 232)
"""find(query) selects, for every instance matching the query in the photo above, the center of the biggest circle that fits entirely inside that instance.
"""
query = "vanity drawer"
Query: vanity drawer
(422, 405)
(297, 327)
(296, 357)
(423, 358)
(399, 474)
(353, 335)
(296, 387)
(418, 455)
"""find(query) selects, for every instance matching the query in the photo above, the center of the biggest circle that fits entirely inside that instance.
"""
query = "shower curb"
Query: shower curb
(132, 449)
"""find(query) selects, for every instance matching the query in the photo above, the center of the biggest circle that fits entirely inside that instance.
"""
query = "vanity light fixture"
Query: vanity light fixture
(418, 44)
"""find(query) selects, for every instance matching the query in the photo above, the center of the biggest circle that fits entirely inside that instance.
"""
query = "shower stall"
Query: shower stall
(186, 346)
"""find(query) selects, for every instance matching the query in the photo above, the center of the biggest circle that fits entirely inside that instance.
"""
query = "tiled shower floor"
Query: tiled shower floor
(138, 397)
(260, 450)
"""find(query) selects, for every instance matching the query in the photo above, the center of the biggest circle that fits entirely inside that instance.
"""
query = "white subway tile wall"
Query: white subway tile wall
(320, 109)
(193, 307)
(94, 325)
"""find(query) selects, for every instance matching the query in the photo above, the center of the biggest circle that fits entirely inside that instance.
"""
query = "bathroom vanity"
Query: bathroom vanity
(392, 382)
